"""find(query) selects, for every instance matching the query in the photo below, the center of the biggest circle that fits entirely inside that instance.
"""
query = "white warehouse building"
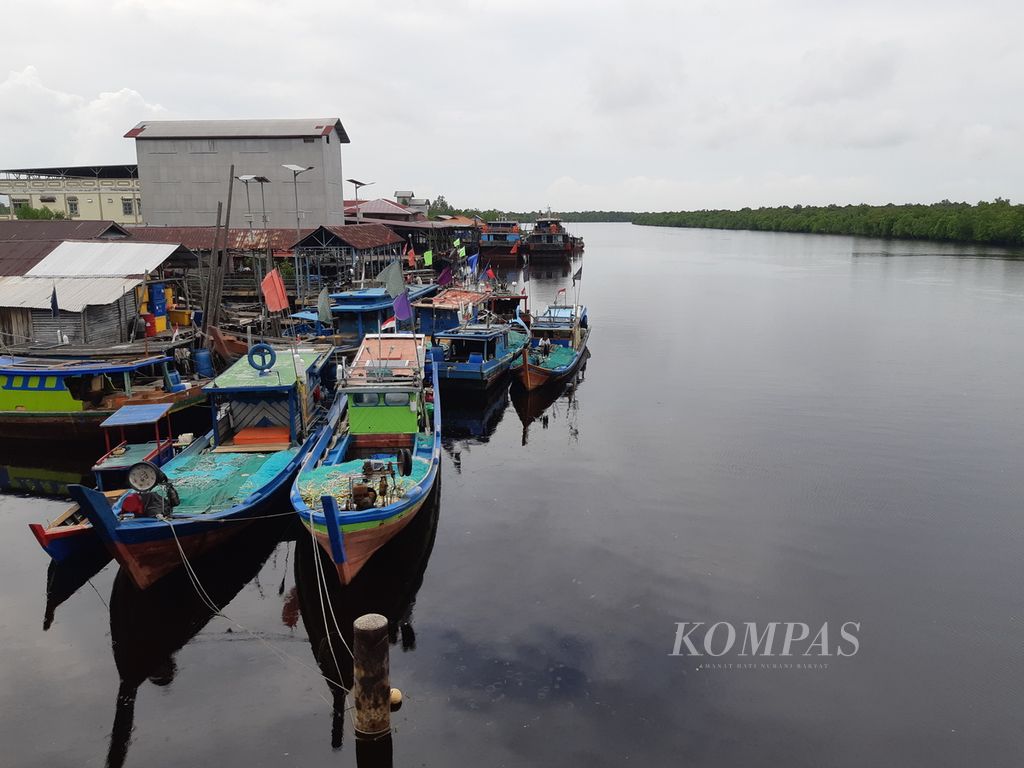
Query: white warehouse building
(184, 165)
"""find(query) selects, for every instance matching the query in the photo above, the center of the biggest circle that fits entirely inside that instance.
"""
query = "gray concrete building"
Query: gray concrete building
(184, 167)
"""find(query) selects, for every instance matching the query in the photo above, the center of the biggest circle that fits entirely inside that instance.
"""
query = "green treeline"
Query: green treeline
(995, 223)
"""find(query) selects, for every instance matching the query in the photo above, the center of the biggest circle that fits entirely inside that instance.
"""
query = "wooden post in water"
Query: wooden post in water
(371, 674)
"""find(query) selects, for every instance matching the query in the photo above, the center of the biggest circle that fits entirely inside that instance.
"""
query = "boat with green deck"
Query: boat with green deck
(364, 482)
(267, 413)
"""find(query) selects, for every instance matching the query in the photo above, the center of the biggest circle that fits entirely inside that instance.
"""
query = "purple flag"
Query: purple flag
(445, 277)
(403, 310)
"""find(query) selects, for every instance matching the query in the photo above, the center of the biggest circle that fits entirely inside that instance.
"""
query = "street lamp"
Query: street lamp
(261, 180)
(296, 171)
(357, 185)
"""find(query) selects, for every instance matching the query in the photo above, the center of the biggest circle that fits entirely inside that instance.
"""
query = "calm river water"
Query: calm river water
(771, 428)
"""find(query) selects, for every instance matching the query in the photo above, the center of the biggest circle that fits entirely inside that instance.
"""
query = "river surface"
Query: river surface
(771, 428)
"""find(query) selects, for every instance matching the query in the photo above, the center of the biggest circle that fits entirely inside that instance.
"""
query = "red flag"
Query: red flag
(490, 273)
(515, 247)
(274, 292)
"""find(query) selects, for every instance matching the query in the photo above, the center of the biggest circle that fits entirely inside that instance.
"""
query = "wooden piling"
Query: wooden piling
(371, 674)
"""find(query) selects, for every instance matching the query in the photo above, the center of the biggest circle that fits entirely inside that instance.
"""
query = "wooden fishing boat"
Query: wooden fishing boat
(363, 483)
(51, 400)
(500, 242)
(549, 240)
(558, 343)
(268, 412)
(476, 354)
(357, 312)
(71, 534)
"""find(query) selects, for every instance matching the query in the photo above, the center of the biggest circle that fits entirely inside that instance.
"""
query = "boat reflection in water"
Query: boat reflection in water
(147, 627)
(471, 418)
(63, 579)
(387, 585)
(533, 405)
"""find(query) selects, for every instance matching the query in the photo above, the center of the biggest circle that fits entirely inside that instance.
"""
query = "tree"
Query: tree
(28, 212)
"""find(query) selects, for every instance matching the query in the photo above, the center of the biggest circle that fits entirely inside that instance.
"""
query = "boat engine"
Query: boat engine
(147, 479)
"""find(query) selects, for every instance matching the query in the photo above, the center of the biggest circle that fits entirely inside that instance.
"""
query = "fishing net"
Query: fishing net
(336, 480)
(210, 482)
(558, 357)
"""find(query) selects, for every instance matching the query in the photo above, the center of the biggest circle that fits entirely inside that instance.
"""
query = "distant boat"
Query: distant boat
(52, 400)
(549, 240)
(558, 343)
(71, 534)
(501, 242)
(476, 354)
(358, 312)
(274, 406)
(364, 482)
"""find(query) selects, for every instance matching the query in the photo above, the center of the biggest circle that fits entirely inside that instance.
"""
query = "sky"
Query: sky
(523, 104)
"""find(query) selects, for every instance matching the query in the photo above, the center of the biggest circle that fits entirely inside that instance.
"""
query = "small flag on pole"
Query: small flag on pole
(391, 324)
(490, 273)
(274, 292)
(578, 275)
(323, 306)
(403, 310)
(462, 252)
(428, 258)
(445, 277)
(457, 242)
(54, 309)
(411, 254)
(515, 247)
(472, 261)
(561, 292)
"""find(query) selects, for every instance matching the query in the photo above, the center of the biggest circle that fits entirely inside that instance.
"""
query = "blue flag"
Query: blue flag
(54, 309)
(472, 261)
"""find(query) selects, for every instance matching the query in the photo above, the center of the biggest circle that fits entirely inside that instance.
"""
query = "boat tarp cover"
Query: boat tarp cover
(211, 482)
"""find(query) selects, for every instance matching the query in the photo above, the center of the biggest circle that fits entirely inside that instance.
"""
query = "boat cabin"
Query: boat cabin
(70, 385)
(499, 233)
(559, 326)
(358, 312)
(384, 389)
(448, 309)
(473, 343)
(111, 470)
(271, 407)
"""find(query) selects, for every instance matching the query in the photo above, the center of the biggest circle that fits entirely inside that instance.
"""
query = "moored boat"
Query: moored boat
(46, 400)
(500, 241)
(475, 354)
(549, 240)
(268, 412)
(71, 534)
(358, 312)
(558, 341)
(366, 481)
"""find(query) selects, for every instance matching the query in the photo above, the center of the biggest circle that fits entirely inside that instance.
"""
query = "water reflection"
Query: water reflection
(387, 585)
(65, 578)
(551, 403)
(470, 418)
(147, 627)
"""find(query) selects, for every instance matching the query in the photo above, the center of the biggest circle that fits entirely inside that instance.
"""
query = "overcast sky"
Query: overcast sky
(521, 104)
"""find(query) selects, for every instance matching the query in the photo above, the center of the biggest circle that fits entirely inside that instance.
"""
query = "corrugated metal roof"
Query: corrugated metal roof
(81, 171)
(452, 298)
(380, 205)
(237, 129)
(73, 293)
(201, 238)
(59, 229)
(103, 258)
(361, 237)
(397, 225)
(19, 256)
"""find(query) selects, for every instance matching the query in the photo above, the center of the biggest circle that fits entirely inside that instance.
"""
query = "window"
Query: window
(18, 202)
(365, 398)
(308, 139)
(396, 398)
(127, 206)
(72, 206)
(47, 198)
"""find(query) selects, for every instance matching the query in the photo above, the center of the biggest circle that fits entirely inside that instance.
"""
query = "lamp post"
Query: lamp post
(261, 180)
(296, 171)
(357, 185)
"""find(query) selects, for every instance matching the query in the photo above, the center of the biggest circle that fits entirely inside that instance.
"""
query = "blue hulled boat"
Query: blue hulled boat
(476, 355)
(359, 312)
(268, 412)
(366, 481)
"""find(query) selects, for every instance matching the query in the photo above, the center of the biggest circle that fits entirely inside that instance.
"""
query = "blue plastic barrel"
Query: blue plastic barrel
(204, 363)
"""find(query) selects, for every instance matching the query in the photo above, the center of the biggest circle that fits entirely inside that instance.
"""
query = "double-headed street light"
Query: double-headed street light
(359, 184)
(296, 171)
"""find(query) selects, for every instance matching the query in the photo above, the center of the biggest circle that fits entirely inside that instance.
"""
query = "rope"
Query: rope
(205, 597)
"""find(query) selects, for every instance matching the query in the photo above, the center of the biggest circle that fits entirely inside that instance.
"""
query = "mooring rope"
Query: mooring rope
(205, 598)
